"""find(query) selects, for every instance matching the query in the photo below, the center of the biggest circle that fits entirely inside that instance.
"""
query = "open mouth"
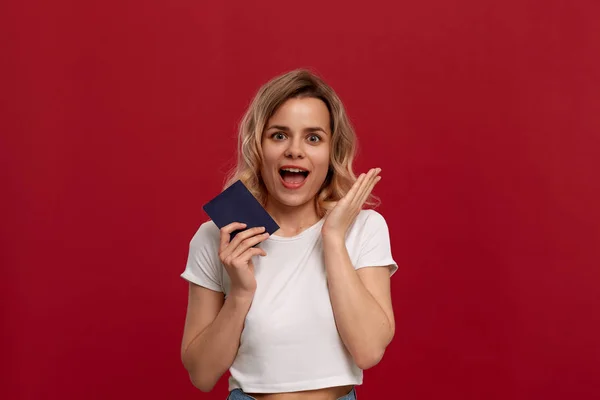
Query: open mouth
(293, 178)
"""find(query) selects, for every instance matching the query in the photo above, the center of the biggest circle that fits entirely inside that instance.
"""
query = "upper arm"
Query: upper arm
(204, 273)
(202, 309)
(377, 282)
(375, 264)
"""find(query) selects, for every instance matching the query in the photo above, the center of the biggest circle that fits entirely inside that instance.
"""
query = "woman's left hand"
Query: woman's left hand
(339, 219)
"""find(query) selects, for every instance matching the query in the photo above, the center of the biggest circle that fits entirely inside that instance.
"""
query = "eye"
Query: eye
(314, 138)
(278, 136)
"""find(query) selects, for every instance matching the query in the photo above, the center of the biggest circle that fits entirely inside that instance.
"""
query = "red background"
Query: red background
(118, 123)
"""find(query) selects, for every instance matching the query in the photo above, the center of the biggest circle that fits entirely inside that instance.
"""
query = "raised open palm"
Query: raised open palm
(339, 219)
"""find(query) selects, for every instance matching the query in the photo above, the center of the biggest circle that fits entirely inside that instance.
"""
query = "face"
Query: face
(296, 144)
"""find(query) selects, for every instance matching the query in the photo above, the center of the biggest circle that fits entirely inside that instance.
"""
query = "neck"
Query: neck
(292, 220)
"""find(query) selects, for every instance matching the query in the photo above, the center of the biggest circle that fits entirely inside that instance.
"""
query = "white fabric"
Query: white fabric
(290, 341)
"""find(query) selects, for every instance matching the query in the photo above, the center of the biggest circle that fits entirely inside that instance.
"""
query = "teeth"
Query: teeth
(292, 170)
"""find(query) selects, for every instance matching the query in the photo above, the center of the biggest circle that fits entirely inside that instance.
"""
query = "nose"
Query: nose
(294, 149)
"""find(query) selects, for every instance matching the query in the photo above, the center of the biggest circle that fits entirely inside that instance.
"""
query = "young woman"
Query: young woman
(297, 315)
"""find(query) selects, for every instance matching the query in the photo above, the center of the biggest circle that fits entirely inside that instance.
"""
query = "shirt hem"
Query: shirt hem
(297, 386)
(191, 278)
(389, 262)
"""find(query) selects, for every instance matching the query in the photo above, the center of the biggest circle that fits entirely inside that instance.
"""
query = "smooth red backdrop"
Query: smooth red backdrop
(118, 123)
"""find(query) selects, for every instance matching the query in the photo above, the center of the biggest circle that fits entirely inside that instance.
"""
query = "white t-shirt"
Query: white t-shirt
(290, 341)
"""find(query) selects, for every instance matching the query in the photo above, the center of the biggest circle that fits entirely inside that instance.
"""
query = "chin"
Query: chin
(293, 201)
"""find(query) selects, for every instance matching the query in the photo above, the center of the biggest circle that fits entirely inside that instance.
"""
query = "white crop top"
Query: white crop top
(290, 341)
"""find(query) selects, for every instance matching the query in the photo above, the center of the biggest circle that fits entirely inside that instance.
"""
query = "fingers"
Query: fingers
(226, 233)
(242, 259)
(248, 243)
(242, 254)
(363, 186)
(355, 188)
(371, 178)
(367, 192)
(255, 251)
(241, 242)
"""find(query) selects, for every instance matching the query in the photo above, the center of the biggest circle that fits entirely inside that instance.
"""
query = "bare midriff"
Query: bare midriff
(332, 393)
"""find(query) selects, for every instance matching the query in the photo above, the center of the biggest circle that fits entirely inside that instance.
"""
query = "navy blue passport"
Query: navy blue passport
(237, 204)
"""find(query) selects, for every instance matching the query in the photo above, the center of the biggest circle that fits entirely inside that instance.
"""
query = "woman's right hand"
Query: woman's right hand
(237, 256)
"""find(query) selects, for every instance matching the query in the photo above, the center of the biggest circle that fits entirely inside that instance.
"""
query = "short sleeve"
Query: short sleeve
(203, 265)
(375, 249)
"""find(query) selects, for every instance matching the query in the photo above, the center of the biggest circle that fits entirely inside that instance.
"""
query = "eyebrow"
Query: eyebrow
(286, 129)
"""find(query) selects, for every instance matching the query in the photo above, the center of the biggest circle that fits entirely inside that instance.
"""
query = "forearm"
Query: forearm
(362, 324)
(213, 351)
